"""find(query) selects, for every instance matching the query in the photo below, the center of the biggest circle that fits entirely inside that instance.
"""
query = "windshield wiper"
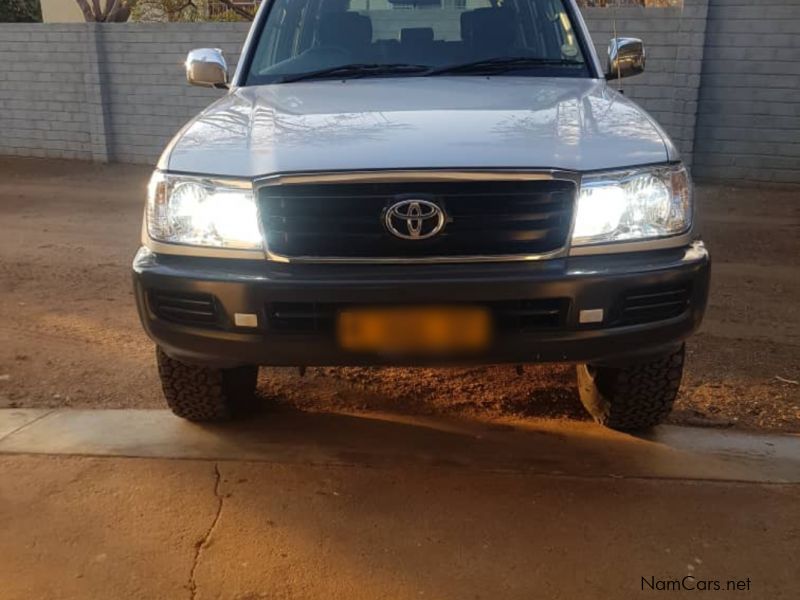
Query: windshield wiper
(355, 70)
(504, 63)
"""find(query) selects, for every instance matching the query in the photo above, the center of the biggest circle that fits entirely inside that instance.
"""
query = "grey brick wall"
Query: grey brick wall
(749, 113)
(674, 41)
(148, 97)
(117, 91)
(43, 91)
(128, 96)
(102, 92)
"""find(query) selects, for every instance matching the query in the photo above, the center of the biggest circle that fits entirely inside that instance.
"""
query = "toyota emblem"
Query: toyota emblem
(414, 219)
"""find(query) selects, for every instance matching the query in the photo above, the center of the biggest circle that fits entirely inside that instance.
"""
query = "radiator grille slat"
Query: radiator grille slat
(485, 218)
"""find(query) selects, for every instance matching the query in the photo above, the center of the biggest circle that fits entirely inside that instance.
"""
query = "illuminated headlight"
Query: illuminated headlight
(633, 205)
(198, 211)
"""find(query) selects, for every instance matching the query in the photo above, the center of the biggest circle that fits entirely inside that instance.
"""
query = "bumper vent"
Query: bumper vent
(654, 304)
(301, 317)
(509, 316)
(187, 309)
(530, 315)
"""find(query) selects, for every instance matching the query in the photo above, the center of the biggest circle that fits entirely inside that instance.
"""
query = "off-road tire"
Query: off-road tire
(633, 398)
(205, 394)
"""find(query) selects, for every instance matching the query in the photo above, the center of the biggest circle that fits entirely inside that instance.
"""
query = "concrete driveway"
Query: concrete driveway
(138, 504)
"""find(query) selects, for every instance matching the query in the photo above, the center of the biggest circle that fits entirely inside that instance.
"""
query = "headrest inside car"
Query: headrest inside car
(347, 30)
(488, 29)
(416, 35)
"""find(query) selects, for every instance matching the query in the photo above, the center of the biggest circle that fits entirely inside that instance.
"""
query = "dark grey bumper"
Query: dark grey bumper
(591, 282)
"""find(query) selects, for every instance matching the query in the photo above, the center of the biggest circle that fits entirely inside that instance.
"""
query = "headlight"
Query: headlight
(198, 211)
(633, 205)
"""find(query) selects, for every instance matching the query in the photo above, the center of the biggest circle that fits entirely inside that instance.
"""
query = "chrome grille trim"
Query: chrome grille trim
(419, 175)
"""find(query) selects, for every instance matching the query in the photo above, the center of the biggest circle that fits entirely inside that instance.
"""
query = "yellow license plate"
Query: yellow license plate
(428, 330)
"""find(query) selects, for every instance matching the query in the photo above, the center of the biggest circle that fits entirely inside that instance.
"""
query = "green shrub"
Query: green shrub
(20, 11)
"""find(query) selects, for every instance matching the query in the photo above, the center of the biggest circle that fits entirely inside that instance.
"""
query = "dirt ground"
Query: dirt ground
(71, 337)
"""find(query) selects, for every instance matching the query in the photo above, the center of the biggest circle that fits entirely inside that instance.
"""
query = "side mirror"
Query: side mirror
(626, 57)
(206, 67)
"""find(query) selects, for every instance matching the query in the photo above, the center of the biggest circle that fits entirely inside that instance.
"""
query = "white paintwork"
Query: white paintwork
(577, 124)
(418, 123)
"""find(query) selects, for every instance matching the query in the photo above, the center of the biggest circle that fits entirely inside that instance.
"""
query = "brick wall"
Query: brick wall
(131, 80)
(674, 42)
(749, 113)
(147, 94)
(102, 92)
(117, 91)
(43, 91)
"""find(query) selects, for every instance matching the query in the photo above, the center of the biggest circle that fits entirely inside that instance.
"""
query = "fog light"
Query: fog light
(591, 316)
(245, 320)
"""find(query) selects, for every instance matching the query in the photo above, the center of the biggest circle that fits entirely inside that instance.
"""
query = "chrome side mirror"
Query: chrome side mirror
(206, 67)
(626, 57)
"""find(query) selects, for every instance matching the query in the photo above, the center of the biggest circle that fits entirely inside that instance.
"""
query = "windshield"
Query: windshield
(306, 39)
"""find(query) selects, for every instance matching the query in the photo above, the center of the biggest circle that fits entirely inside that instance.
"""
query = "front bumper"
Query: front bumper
(585, 283)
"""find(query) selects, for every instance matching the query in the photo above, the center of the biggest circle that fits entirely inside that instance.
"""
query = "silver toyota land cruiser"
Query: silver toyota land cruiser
(421, 182)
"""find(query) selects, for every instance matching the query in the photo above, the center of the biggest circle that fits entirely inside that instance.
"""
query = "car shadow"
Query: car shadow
(481, 393)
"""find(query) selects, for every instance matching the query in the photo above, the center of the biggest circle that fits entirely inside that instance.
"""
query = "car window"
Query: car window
(303, 36)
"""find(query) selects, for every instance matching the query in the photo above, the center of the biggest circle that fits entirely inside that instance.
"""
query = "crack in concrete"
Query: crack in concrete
(25, 425)
(202, 544)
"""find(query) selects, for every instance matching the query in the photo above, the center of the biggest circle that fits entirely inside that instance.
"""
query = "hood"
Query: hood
(418, 123)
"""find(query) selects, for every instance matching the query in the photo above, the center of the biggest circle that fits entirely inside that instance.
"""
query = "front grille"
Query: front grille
(187, 309)
(508, 316)
(654, 304)
(484, 218)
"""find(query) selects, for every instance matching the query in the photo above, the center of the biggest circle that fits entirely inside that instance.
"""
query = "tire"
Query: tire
(632, 398)
(203, 394)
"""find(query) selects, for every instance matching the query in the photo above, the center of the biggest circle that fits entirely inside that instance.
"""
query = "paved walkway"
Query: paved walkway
(137, 504)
